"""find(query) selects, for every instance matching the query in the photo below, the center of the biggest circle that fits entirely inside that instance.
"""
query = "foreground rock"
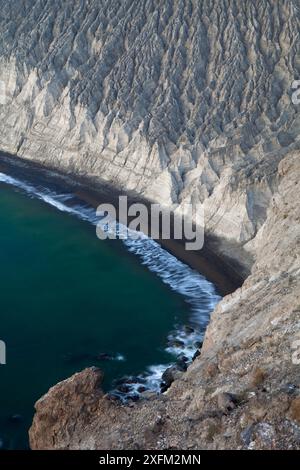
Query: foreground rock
(242, 392)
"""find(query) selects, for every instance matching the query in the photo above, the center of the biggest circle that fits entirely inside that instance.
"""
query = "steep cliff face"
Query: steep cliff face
(242, 392)
(177, 100)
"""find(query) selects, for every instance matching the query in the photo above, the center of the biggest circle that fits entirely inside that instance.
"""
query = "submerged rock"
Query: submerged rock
(75, 358)
(104, 357)
(15, 418)
(188, 329)
(88, 356)
(124, 388)
(176, 343)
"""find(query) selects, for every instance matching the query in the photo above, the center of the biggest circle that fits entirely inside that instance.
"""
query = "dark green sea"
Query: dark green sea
(69, 301)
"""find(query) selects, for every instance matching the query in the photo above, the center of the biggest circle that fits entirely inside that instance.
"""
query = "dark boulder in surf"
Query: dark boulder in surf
(15, 419)
(182, 363)
(104, 357)
(188, 329)
(197, 354)
(176, 343)
(170, 374)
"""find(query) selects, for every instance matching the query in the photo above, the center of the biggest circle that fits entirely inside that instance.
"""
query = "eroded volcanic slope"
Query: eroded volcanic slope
(178, 101)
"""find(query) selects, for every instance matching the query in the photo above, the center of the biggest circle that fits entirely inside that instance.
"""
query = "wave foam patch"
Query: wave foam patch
(197, 291)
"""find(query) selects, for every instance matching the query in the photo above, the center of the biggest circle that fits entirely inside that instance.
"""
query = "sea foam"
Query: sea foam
(197, 291)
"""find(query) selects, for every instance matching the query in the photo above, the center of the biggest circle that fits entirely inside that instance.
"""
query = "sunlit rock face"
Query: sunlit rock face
(179, 101)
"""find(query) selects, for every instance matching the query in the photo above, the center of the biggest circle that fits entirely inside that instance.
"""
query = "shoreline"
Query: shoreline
(185, 337)
(216, 268)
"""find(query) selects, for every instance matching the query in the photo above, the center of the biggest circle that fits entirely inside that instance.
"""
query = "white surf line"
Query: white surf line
(195, 288)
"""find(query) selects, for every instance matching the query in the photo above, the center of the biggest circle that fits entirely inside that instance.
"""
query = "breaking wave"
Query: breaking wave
(197, 291)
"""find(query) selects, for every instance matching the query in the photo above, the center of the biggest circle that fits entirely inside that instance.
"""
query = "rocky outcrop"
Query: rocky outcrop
(241, 392)
(71, 400)
(177, 100)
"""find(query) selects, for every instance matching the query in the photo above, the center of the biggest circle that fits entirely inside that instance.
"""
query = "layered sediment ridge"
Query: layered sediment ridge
(178, 101)
(181, 101)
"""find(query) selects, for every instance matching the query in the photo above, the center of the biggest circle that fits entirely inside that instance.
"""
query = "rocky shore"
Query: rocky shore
(179, 102)
(241, 392)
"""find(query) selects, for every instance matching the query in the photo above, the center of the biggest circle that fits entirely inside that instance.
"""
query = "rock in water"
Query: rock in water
(170, 374)
(15, 419)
